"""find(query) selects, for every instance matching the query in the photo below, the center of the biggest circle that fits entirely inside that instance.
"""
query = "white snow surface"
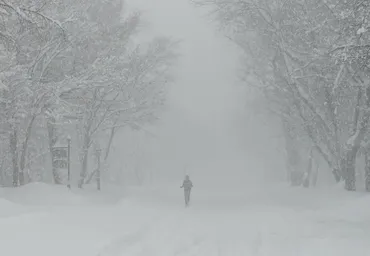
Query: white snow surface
(271, 220)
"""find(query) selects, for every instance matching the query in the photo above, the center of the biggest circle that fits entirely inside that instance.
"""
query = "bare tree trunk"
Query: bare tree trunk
(325, 156)
(287, 150)
(85, 155)
(306, 181)
(91, 176)
(22, 162)
(315, 175)
(349, 163)
(292, 157)
(331, 108)
(111, 136)
(14, 152)
(52, 141)
(2, 169)
(367, 170)
(349, 169)
(112, 133)
(337, 175)
(83, 168)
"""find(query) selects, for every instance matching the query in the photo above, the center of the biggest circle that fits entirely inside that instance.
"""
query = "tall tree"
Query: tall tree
(68, 61)
(310, 60)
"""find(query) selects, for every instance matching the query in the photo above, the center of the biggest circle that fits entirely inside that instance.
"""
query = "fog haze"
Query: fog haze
(207, 121)
(103, 117)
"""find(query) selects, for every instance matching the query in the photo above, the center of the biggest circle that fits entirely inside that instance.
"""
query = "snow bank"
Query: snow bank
(42, 234)
(41, 194)
(44, 219)
(270, 220)
(355, 209)
(8, 208)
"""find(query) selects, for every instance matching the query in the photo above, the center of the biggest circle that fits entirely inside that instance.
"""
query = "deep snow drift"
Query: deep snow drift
(45, 220)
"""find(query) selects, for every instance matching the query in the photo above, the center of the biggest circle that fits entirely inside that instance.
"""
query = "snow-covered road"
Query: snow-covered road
(278, 221)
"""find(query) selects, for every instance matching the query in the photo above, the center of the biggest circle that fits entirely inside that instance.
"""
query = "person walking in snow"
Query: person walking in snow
(187, 185)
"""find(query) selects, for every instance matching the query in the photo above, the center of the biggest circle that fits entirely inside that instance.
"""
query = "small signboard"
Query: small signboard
(60, 152)
(60, 163)
(60, 157)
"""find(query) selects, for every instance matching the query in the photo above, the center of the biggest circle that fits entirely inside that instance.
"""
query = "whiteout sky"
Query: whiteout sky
(206, 73)
(206, 120)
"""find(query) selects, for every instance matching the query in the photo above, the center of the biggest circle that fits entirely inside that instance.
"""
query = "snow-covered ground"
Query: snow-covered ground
(45, 220)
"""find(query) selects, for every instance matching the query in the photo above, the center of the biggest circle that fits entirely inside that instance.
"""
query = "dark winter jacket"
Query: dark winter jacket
(187, 184)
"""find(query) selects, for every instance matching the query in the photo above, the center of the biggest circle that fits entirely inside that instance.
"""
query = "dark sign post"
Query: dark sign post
(61, 159)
